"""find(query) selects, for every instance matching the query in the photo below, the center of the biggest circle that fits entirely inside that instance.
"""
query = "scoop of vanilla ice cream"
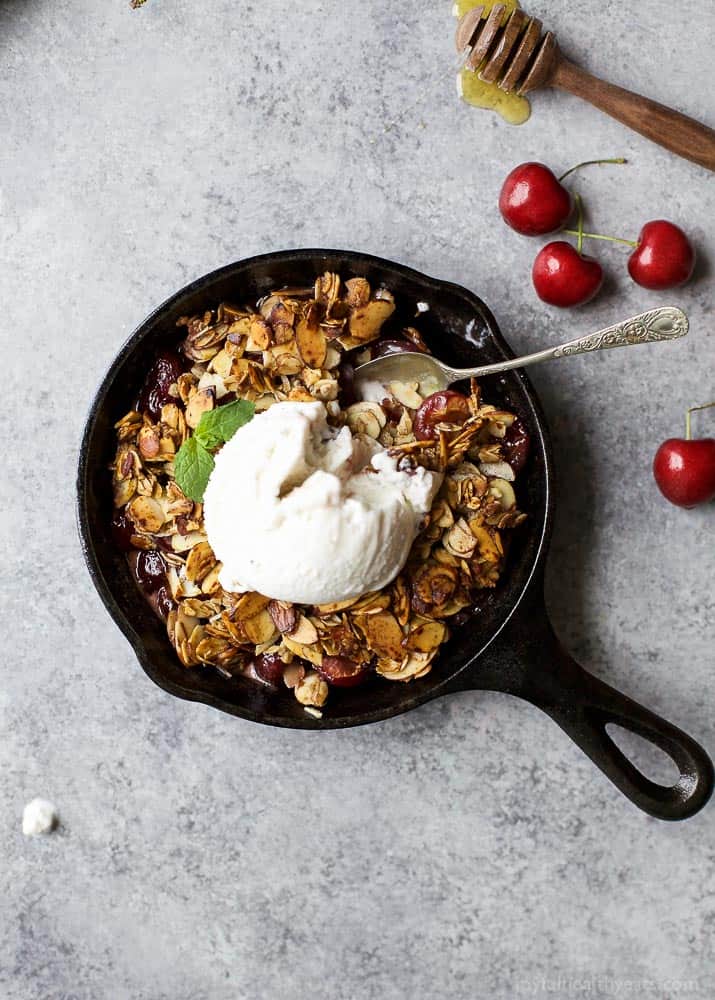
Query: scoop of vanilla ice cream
(301, 512)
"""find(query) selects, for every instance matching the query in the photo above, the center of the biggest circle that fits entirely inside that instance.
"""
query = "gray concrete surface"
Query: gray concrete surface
(467, 850)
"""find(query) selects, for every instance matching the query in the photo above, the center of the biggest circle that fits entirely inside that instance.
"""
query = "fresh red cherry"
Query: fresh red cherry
(533, 201)
(663, 257)
(563, 277)
(684, 468)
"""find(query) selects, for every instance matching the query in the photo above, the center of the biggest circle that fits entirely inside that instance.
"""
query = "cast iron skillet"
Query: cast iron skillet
(509, 646)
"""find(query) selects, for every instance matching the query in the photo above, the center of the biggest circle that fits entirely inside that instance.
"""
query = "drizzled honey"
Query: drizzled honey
(512, 108)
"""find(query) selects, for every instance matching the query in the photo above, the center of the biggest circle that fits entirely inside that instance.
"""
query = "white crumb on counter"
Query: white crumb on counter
(38, 817)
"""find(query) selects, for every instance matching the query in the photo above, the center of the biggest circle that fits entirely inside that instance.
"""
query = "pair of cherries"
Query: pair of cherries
(534, 202)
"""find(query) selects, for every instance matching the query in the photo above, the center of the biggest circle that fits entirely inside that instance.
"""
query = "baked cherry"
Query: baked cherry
(384, 348)
(150, 570)
(340, 671)
(164, 601)
(122, 530)
(516, 444)
(166, 369)
(663, 258)
(269, 667)
(564, 277)
(684, 469)
(533, 201)
(448, 407)
(346, 384)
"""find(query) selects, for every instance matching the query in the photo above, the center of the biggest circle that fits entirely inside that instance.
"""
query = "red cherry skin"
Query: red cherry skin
(563, 277)
(342, 672)
(447, 406)
(663, 258)
(532, 200)
(685, 471)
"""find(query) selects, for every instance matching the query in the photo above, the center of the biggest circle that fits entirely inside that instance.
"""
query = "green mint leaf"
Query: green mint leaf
(192, 467)
(219, 425)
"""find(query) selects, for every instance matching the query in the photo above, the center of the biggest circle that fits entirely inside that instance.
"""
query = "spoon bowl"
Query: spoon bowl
(654, 326)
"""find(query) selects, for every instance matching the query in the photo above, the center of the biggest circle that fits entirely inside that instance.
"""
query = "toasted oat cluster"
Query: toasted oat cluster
(301, 344)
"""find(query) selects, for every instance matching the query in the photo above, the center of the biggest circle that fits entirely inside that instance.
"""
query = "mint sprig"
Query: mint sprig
(219, 425)
(194, 462)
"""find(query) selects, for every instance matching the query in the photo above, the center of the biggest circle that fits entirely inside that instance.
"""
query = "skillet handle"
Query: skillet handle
(582, 705)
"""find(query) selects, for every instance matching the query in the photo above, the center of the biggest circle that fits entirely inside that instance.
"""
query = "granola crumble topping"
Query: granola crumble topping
(292, 346)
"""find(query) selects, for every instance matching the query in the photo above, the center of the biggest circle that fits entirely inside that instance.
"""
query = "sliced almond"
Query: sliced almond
(311, 690)
(366, 418)
(222, 363)
(332, 358)
(200, 562)
(310, 653)
(305, 632)
(407, 394)
(365, 322)
(383, 634)
(500, 470)
(182, 543)
(147, 514)
(200, 402)
(250, 604)
(370, 604)
(210, 583)
(331, 609)
(459, 540)
(260, 628)
(426, 637)
(358, 292)
(413, 666)
(312, 345)
(259, 335)
(499, 420)
(489, 545)
(504, 491)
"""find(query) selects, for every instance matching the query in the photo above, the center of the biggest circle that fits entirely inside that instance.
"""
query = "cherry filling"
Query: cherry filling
(162, 375)
(150, 571)
(384, 348)
(122, 530)
(340, 671)
(515, 445)
(448, 407)
(269, 667)
(346, 385)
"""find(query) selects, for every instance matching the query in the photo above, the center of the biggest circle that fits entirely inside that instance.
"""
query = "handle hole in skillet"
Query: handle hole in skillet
(652, 762)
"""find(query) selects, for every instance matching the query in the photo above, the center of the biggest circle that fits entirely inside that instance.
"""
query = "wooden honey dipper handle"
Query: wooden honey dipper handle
(671, 129)
(510, 50)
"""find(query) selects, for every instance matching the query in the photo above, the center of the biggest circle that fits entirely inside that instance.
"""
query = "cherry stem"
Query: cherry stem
(592, 163)
(694, 409)
(579, 208)
(598, 236)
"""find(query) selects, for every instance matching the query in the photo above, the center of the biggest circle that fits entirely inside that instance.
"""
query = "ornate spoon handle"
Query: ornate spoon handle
(666, 323)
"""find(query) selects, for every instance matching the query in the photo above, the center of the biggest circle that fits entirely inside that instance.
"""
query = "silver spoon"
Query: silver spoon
(666, 323)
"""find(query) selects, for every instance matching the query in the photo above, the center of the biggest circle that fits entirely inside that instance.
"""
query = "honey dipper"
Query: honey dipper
(514, 54)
